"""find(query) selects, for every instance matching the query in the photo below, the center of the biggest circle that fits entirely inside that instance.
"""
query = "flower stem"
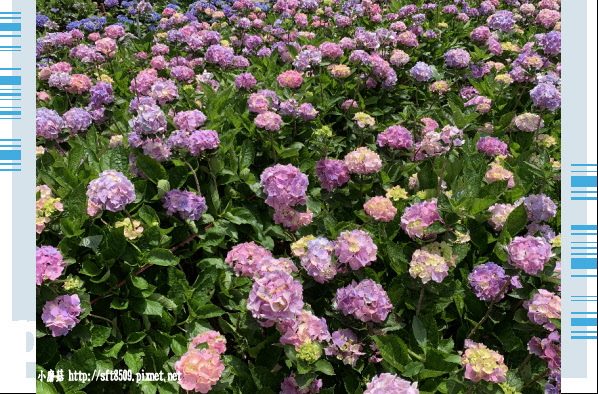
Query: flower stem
(419, 303)
(494, 300)
(103, 318)
(537, 378)
(194, 173)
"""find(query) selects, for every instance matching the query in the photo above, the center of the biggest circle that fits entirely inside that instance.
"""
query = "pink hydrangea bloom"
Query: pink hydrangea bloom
(500, 213)
(366, 301)
(305, 327)
(243, 258)
(482, 363)
(542, 307)
(332, 173)
(189, 120)
(492, 146)
(396, 137)
(60, 315)
(418, 217)
(429, 263)
(290, 79)
(529, 253)
(48, 264)
(386, 383)
(363, 161)
(274, 298)
(355, 248)
(284, 185)
(200, 369)
(111, 191)
(539, 207)
(380, 208)
(268, 120)
(270, 264)
(289, 386)
(292, 218)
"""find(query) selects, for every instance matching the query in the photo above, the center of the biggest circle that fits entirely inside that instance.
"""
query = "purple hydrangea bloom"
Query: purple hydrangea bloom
(48, 124)
(492, 146)
(318, 261)
(182, 74)
(551, 42)
(244, 258)
(245, 81)
(307, 112)
(101, 94)
(502, 20)
(488, 279)
(268, 120)
(223, 56)
(189, 120)
(396, 137)
(459, 58)
(480, 34)
(421, 72)
(284, 185)
(546, 96)
(529, 253)
(111, 191)
(539, 207)
(306, 327)
(543, 307)
(366, 301)
(332, 173)
(189, 205)
(76, 119)
(164, 91)
(275, 298)
(48, 264)
(355, 248)
(60, 315)
(150, 119)
(345, 346)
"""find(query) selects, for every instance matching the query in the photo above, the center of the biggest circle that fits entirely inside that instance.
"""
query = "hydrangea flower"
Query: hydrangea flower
(492, 146)
(245, 81)
(318, 261)
(76, 119)
(274, 298)
(292, 218)
(355, 248)
(363, 161)
(48, 124)
(60, 315)
(48, 264)
(458, 58)
(111, 191)
(45, 207)
(487, 281)
(289, 386)
(548, 349)
(345, 346)
(546, 96)
(529, 122)
(500, 213)
(189, 120)
(332, 173)
(306, 327)
(299, 248)
(418, 217)
(268, 120)
(201, 368)
(539, 207)
(132, 229)
(380, 208)
(396, 137)
(501, 20)
(244, 258)
(290, 79)
(421, 72)
(150, 119)
(482, 363)
(432, 262)
(284, 185)
(389, 383)
(529, 253)
(366, 301)
(542, 307)
(189, 205)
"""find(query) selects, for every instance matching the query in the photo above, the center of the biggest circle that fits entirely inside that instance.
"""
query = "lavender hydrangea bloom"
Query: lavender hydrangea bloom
(150, 119)
(189, 205)
(101, 94)
(48, 264)
(502, 20)
(418, 217)
(366, 301)
(111, 191)
(306, 327)
(459, 58)
(421, 72)
(275, 298)
(539, 207)
(284, 185)
(487, 281)
(318, 261)
(388, 383)
(76, 119)
(189, 120)
(48, 124)
(551, 42)
(546, 96)
(543, 307)
(529, 253)
(60, 315)
(332, 173)
(355, 248)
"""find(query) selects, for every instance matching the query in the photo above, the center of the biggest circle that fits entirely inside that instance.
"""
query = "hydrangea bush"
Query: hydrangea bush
(299, 196)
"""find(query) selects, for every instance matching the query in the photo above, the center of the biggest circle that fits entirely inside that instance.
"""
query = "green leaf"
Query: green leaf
(208, 311)
(412, 369)
(516, 222)
(161, 257)
(99, 335)
(115, 244)
(146, 307)
(115, 158)
(325, 367)
(82, 360)
(393, 350)
(151, 168)
(419, 332)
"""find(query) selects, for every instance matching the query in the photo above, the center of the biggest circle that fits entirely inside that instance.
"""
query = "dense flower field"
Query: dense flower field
(302, 196)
